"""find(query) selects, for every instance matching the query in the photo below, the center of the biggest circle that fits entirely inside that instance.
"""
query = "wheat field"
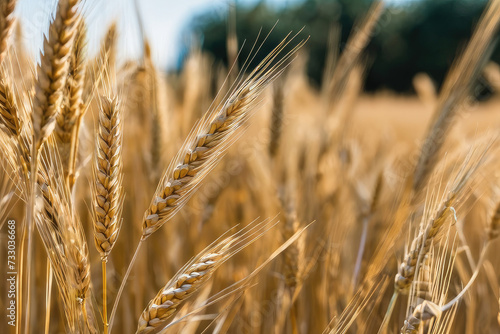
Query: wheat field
(243, 199)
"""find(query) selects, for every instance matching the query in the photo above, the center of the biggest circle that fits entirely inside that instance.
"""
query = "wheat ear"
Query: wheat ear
(194, 275)
(428, 310)
(107, 176)
(68, 120)
(431, 286)
(207, 141)
(107, 185)
(13, 122)
(6, 25)
(9, 112)
(53, 70)
(422, 243)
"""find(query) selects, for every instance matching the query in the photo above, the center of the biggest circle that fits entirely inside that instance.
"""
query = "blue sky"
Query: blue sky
(164, 21)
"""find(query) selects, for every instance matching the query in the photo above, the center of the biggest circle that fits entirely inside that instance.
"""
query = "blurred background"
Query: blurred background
(412, 36)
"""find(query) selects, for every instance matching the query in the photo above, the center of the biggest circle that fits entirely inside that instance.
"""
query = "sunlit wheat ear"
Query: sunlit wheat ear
(423, 312)
(72, 105)
(430, 289)
(9, 112)
(209, 140)
(429, 312)
(63, 238)
(16, 147)
(107, 176)
(431, 226)
(193, 276)
(16, 123)
(6, 25)
(53, 70)
(456, 90)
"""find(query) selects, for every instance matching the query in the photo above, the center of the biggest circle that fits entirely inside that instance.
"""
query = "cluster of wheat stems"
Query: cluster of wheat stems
(241, 200)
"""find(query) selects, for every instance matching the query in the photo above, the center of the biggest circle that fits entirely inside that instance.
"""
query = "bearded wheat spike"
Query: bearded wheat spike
(208, 141)
(53, 70)
(9, 113)
(421, 245)
(423, 241)
(194, 275)
(70, 112)
(423, 312)
(6, 25)
(107, 176)
(167, 301)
